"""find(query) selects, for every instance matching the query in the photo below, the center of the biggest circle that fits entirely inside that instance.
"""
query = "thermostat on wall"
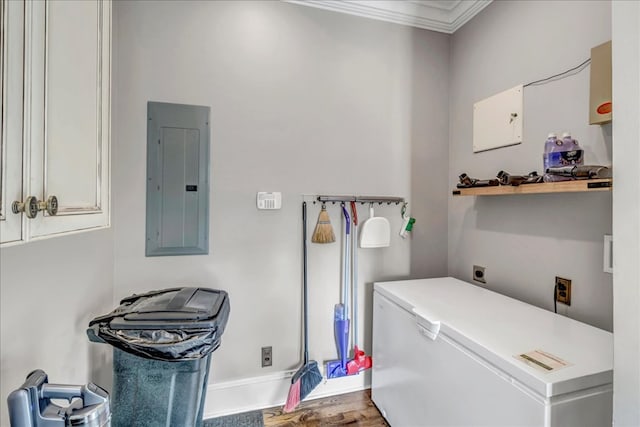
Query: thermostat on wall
(269, 200)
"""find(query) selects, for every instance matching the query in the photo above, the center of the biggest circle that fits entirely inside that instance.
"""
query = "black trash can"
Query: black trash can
(162, 344)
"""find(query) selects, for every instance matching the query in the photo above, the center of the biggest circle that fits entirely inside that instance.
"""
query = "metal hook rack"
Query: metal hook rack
(360, 199)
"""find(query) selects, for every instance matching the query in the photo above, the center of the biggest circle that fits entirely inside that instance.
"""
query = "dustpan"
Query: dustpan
(376, 231)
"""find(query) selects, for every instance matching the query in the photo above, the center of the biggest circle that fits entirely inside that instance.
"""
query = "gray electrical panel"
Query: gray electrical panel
(177, 179)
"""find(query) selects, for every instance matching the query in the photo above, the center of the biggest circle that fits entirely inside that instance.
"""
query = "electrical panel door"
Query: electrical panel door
(177, 179)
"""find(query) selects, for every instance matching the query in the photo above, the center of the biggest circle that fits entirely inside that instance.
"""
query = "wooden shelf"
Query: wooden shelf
(584, 185)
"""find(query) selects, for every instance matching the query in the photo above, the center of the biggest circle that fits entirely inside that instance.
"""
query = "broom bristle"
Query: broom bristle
(303, 382)
(310, 380)
(294, 397)
(323, 232)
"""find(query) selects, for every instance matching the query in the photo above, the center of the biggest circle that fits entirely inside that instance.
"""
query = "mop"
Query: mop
(360, 361)
(338, 368)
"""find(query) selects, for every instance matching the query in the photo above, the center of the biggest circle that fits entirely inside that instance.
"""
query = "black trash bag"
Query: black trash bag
(174, 324)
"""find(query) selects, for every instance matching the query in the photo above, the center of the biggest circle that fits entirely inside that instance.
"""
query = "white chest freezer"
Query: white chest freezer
(448, 353)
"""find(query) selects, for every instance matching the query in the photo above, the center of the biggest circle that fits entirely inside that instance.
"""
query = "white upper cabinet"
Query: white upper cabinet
(11, 69)
(68, 73)
(66, 123)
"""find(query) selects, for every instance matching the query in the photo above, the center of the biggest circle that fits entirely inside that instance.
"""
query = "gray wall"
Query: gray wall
(50, 291)
(303, 101)
(429, 163)
(525, 241)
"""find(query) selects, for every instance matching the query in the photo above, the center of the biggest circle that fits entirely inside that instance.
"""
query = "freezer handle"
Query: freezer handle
(427, 327)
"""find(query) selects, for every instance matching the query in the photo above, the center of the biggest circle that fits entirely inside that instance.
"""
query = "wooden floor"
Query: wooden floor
(354, 409)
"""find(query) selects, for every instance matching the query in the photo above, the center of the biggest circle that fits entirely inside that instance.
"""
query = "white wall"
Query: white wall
(626, 213)
(525, 241)
(50, 291)
(303, 101)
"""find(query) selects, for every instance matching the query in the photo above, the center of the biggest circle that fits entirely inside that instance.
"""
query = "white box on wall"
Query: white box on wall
(497, 120)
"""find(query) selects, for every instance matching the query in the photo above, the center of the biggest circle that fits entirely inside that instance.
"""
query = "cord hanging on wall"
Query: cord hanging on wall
(569, 72)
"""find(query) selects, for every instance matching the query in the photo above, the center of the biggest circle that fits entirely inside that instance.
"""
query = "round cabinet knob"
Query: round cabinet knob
(51, 205)
(29, 207)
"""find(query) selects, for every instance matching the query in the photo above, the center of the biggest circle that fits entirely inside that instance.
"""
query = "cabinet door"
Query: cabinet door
(11, 68)
(68, 107)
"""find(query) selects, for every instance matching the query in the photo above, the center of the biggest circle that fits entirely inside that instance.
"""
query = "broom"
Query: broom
(308, 376)
(323, 232)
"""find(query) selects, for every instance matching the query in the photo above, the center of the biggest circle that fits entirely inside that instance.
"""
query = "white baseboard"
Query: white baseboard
(249, 394)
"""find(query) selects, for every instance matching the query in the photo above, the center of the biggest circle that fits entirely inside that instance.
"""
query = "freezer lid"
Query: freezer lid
(499, 329)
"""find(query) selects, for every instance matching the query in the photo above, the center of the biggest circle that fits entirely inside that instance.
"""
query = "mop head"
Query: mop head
(302, 383)
(336, 369)
(360, 362)
(323, 232)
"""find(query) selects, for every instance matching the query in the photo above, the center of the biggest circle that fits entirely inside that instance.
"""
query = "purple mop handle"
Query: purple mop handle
(347, 218)
(345, 291)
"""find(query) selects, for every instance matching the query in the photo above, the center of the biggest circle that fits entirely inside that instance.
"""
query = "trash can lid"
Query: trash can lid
(171, 324)
(175, 308)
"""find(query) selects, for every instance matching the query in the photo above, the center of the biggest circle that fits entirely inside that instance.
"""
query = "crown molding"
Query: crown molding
(445, 16)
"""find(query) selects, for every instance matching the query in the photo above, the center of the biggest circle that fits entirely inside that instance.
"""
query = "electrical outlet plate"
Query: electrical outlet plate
(478, 274)
(267, 356)
(563, 290)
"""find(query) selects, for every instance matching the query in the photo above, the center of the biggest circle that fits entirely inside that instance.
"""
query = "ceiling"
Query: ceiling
(445, 16)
